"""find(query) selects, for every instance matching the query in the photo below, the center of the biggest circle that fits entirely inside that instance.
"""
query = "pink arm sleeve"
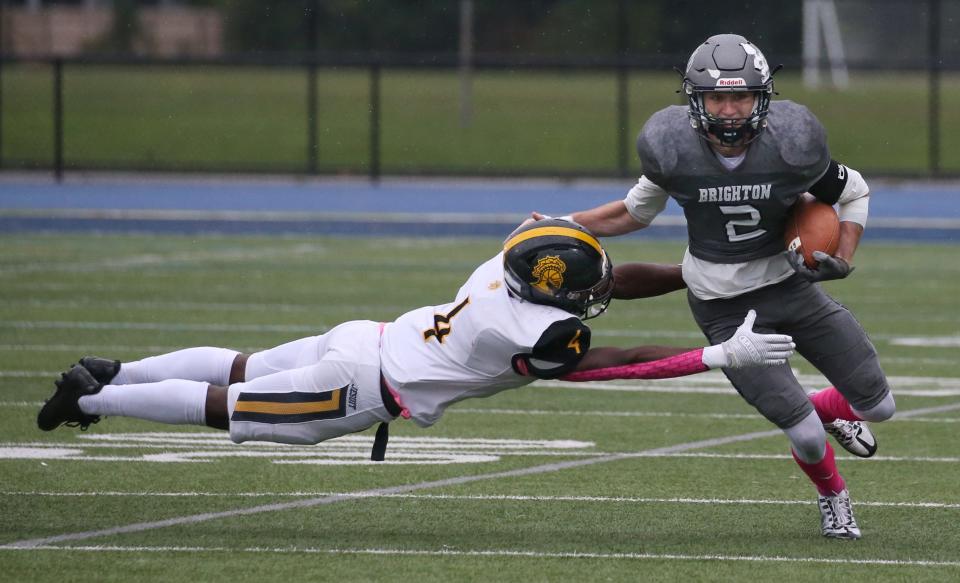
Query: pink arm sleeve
(678, 365)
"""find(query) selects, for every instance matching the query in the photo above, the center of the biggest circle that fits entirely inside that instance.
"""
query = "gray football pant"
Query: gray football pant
(826, 334)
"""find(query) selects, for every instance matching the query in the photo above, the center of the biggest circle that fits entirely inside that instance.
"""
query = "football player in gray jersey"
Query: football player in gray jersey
(736, 162)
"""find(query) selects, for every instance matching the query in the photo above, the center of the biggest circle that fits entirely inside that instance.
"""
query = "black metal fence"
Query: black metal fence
(309, 67)
(34, 136)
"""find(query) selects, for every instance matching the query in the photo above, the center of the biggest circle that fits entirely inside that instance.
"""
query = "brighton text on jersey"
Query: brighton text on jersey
(739, 192)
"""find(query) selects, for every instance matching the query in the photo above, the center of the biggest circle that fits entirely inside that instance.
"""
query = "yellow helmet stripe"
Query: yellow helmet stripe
(547, 231)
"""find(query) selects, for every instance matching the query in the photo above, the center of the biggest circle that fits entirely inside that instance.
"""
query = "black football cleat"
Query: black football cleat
(102, 369)
(63, 407)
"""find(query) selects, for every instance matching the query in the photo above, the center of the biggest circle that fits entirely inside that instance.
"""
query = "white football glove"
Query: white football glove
(748, 348)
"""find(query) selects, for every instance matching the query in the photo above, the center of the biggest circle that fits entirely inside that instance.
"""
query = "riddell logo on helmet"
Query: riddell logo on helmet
(735, 82)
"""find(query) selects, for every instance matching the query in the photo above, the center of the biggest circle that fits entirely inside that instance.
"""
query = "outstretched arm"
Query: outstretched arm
(683, 362)
(645, 200)
(644, 280)
(745, 348)
(606, 220)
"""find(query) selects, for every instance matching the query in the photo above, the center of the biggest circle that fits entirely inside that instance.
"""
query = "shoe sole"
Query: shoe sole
(60, 401)
(846, 536)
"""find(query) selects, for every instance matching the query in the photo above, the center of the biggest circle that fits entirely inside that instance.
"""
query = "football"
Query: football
(812, 226)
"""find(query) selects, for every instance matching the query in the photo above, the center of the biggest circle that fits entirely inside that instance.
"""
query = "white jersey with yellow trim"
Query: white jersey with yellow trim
(437, 355)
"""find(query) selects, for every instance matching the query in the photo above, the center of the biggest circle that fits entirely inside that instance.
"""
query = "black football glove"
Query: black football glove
(830, 267)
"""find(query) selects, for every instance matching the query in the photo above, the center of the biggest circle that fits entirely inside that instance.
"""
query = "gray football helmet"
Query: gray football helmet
(728, 62)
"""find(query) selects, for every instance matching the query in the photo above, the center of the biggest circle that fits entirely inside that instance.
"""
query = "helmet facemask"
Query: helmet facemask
(727, 131)
(590, 303)
(728, 63)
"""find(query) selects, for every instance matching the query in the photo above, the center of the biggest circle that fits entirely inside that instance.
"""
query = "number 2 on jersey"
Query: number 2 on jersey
(752, 220)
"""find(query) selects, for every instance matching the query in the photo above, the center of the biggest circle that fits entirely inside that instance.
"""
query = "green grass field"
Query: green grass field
(523, 122)
(731, 511)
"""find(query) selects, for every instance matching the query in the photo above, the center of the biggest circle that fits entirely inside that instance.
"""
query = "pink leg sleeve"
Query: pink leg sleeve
(823, 474)
(831, 405)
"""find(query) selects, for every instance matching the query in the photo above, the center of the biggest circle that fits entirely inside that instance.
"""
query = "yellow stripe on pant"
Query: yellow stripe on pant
(293, 407)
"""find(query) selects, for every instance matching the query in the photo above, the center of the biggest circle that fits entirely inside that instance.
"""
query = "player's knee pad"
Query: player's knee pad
(879, 412)
(328, 375)
(865, 382)
(808, 439)
(295, 354)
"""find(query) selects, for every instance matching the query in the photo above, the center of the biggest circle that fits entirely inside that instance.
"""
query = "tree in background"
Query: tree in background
(342, 25)
(771, 25)
(124, 31)
(521, 27)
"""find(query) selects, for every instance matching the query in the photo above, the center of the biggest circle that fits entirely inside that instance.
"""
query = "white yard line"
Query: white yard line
(91, 325)
(324, 500)
(499, 553)
(86, 349)
(455, 481)
(919, 360)
(934, 341)
(166, 326)
(705, 383)
(930, 341)
(656, 414)
(482, 498)
(583, 413)
(160, 260)
(774, 456)
(562, 413)
(168, 306)
(940, 387)
(149, 350)
(70, 452)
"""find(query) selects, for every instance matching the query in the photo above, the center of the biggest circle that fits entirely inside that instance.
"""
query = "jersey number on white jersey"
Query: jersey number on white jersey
(441, 323)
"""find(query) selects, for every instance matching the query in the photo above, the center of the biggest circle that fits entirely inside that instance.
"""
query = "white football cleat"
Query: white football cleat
(853, 436)
(836, 517)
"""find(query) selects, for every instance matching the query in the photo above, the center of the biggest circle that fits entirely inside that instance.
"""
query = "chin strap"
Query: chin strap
(740, 136)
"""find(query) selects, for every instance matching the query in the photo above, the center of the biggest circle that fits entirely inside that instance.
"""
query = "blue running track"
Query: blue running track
(447, 207)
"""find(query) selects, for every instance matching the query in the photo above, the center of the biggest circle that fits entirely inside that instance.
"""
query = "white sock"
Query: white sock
(205, 364)
(172, 401)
